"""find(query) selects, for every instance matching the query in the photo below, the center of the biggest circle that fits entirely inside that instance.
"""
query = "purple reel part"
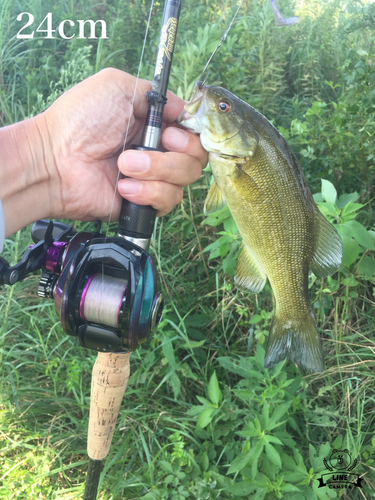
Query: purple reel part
(53, 256)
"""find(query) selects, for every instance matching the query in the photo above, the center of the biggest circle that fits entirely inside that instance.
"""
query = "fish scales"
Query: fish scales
(283, 232)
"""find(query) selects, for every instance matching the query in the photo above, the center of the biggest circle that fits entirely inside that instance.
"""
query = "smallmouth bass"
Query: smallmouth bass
(284, 234)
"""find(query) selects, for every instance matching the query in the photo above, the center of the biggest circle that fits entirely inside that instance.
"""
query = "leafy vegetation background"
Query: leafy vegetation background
(201, 418)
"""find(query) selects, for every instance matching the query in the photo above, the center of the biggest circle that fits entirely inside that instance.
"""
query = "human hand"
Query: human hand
(86, 128)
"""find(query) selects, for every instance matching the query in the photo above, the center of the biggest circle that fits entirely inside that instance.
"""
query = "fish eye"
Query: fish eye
(224, 107)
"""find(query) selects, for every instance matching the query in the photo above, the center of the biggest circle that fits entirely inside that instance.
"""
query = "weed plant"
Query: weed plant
(202, 419)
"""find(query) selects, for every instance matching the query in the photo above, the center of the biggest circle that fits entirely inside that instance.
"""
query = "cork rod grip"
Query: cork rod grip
(109, 378)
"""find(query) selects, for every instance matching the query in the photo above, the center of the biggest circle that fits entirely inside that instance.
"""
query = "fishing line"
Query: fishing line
(223, 38)
(131, 112)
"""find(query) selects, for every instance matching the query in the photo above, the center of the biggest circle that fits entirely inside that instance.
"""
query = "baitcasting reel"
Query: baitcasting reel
(105, 289)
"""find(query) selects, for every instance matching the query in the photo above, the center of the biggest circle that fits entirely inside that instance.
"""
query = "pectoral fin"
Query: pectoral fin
(214, 201)
(328, 247)
(249, 274)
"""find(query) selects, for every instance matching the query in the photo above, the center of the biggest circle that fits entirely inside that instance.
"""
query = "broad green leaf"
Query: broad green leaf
(246, 447)
(217, 217)
(289, 487)
(361, 52)
(367, 267)
(224, 249)
(205, 418)
(288, 461)
(243, 489)
(329, 192)
(168, 352)
(350, 281)
(230, 261)
(265, 415)
(193, 345)
(214, 392)
(204, 401)
(350, 251)
(239, 462)
(307, 493)
(241, 366)
(259, 356)
(275, 371)
(194, 410)
(318, 198)
(344, 199)
(250, 429)
(166, 466)
(244, 394)
(328, 209)
(273, 439)
(204, 461)
(176, 384)
(273, 454)
(256, 318)
(284, 132)
(358, 232)
(230, 226)
(300, 462)
(255, 453)
(198, 319)
(349, 211)
(324, 450)
(316, 459)
(279, 412)
(218, 243)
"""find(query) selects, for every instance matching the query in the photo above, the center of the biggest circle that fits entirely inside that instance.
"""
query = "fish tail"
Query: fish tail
(296, 340)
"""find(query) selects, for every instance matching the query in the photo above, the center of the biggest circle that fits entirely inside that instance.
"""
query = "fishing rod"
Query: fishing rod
(105, 289)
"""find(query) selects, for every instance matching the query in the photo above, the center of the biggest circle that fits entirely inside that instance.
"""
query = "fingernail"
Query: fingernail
(133, 161)
(128, 186)
(175, 139)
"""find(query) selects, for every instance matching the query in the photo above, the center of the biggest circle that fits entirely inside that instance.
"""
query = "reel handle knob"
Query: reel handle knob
(137, 221)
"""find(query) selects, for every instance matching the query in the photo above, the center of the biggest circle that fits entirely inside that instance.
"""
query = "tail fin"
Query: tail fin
(298, 341)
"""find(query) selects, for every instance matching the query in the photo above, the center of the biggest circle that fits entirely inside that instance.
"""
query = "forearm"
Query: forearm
(24, 177)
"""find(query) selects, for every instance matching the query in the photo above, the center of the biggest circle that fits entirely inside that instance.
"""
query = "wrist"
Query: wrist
(24, 173)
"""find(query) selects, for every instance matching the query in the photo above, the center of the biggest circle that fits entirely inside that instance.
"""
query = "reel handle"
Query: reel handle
(110, 376)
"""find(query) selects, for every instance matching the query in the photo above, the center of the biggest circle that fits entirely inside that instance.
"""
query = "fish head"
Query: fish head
(222, 120)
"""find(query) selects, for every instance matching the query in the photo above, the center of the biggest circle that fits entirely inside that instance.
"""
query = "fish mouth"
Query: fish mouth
(228, 157)
(190, 118)
(189, 122)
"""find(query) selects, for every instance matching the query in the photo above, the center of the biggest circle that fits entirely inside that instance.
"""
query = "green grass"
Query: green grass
(200, 418)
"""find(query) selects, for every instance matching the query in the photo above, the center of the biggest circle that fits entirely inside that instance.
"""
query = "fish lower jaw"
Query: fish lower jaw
(189, 122)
